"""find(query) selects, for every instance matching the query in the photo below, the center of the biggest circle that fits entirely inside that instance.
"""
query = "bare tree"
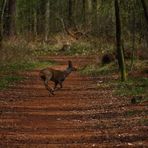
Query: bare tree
(47, 15)
(69, 13)
(95, 16)
(11, 16)
(133, 39)
(120, 55)
(1, 21)
(145, 10)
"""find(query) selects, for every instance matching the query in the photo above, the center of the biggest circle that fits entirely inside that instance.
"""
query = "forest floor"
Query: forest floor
(79, 115)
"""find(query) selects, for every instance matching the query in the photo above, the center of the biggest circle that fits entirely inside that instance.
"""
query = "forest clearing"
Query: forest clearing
(73, 73)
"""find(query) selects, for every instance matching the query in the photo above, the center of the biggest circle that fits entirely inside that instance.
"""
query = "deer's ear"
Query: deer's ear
(69, 63)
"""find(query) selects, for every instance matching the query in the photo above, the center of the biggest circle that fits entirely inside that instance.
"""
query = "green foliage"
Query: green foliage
(9, 80)
(80, 48)
(44, 49)
(135, 112)
(9, 72)
(76, 48)
(15, 67)
(43, 64)
(94, 70)
(21, 66)
(133, 87)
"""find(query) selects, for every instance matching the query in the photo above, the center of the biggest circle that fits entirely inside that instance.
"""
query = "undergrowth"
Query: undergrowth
(95, 70)
(8, 80)
(9, 73)
(80, 48)
(23, 66)
(16, 57)
(133, 87)
(44, 49)
(76, 48)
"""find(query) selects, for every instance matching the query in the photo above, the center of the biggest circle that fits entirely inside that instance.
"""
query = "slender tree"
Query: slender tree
(34, 22)
(88, 12)
(10, 23)
(69, 13)
(145, 10)
(95, 16)
(41, 18)
(84, 11)
(120, 55)
(133, 39)
(1, 20)
(47, 15)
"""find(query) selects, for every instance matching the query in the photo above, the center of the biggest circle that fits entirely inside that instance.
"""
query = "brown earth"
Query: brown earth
(78, 116)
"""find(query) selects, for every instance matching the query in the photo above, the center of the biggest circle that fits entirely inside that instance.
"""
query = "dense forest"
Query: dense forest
(41, 19)
(107, 41)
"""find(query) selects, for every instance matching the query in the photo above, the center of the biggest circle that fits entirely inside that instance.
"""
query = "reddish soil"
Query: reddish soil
(79, 115)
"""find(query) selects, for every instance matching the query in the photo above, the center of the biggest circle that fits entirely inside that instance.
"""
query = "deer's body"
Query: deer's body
(57, 76)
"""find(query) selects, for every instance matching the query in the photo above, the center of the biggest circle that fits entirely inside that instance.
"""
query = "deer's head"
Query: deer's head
(70, 66)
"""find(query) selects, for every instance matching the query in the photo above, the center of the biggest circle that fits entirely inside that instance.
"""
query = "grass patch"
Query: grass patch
(44, 64)
(133, 87)
(9, 71)
(16, 67)
(6, 81)
(135, 112)
(131, 113)
(76, 48)
(24, 66)
(94, 70)
(80, 48)
(17, 55)
(44, 49)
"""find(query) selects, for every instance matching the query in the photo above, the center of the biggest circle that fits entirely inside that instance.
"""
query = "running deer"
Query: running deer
(57, 76)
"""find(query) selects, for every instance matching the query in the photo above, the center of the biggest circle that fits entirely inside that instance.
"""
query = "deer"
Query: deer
(56, 76)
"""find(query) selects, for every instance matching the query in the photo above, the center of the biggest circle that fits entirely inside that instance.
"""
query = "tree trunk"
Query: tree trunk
(35, 22)
(95, 16)
(69, 13)
(41, 18)
(10, 20)
(84, 11)
(47, 15)
(1, 21)
(133, 41)
(145, 10)
(120, 55)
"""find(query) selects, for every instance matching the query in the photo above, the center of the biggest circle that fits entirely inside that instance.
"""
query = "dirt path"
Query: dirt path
(80, 115)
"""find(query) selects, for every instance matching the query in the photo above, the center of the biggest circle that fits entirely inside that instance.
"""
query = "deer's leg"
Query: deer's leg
(47, 87)
(55, 85)
(60, 83)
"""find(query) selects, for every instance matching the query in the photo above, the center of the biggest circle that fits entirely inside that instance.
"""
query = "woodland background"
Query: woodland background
(112, 29)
